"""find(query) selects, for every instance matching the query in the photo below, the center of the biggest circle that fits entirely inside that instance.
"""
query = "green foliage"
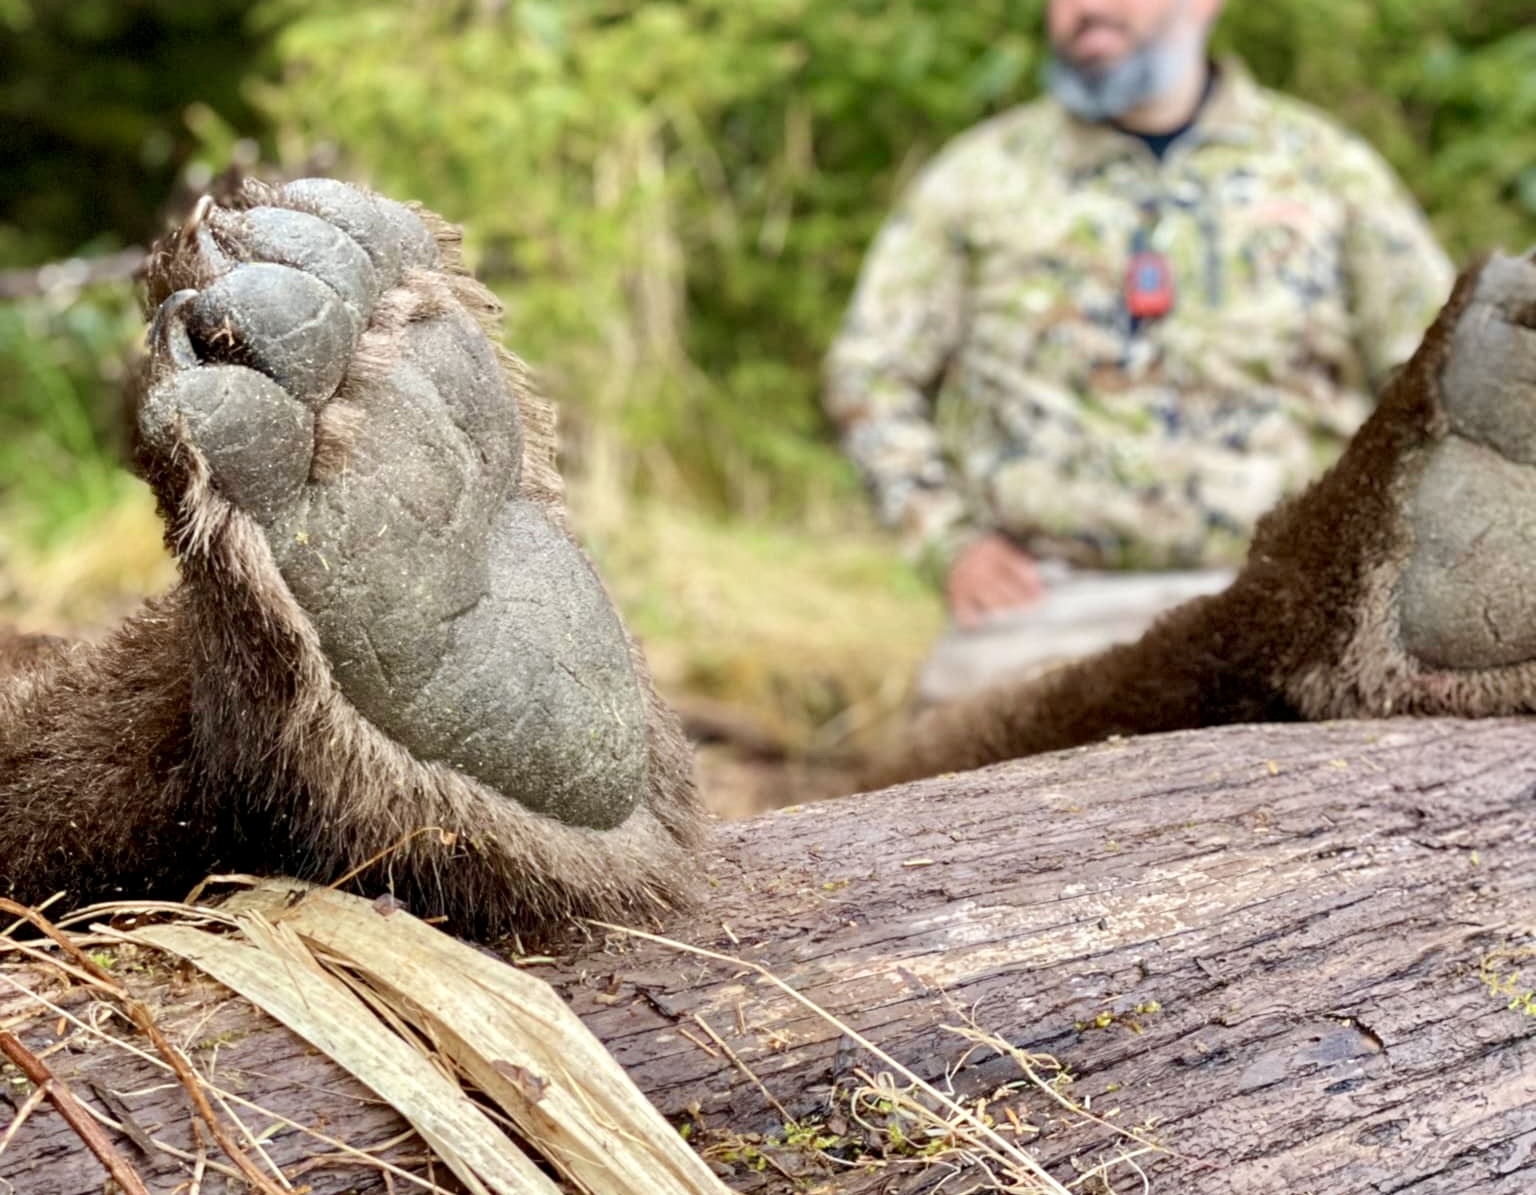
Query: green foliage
(62, 427)
(1500, 973)
(1445, 89)
(674, 196)
(103, 105)
(99, 106)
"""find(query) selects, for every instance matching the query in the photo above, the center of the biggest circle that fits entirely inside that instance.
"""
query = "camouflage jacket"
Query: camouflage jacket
(989, 374)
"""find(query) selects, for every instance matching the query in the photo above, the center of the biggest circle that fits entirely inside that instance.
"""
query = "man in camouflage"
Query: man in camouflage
(1114, 326)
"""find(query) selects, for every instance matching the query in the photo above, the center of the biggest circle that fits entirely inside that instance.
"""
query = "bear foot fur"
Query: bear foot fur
(1402, 582)
(386, 652)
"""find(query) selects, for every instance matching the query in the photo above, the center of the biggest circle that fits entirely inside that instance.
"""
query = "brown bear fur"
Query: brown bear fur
(1309, 629)
(206, 733)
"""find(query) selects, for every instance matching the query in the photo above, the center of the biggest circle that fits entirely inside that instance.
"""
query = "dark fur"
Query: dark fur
(206, 734)
(1306, 631)
(18, 649)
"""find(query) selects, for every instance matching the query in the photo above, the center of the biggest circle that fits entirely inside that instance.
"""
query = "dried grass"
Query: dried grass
(461, 1045)
(483, 1061)
(919, 1126)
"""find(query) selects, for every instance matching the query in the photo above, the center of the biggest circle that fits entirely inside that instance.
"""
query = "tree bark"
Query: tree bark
(1290, 950)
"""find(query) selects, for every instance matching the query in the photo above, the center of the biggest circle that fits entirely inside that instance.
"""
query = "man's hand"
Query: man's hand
(989, 576)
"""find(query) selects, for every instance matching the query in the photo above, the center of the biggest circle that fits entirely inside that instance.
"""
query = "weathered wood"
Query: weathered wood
(1307, 906)
(1309, 918)
(247, 1055)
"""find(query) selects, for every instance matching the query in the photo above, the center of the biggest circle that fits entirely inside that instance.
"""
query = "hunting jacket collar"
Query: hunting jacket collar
(1232, 114)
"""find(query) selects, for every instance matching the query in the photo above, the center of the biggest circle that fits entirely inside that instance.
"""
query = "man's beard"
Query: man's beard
(1148, 72)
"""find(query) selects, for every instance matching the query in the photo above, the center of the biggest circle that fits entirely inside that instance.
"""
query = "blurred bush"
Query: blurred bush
(63, 429)
(672, 196)
(100, 107)
(107, 108)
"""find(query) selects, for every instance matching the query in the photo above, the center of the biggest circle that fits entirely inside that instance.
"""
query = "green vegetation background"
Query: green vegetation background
(671, 196)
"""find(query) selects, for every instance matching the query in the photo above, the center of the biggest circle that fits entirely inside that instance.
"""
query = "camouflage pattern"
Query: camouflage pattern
(988, 374)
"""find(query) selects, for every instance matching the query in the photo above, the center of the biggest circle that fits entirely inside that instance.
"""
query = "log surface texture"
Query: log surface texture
(1291, 950)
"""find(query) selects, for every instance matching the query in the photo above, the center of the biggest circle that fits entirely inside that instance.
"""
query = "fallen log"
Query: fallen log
(1288, 957)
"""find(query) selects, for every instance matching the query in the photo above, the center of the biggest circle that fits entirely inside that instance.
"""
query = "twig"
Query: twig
(253, 1142)
(20, 921)
(108, 910)
(447, 836)
(199, 1159)
(62, 1098)
(703, 1045)
(28, 1106)
(1123, 1158)
(428, 1184)
(39, 955)
(366, 1155)
(146, 1025)
(72, 272)
(980, 1037)
(1004, 1147)
(200, 1166)
(743, 1068)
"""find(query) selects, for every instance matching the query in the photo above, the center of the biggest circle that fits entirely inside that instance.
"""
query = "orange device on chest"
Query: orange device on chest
(1148, 280)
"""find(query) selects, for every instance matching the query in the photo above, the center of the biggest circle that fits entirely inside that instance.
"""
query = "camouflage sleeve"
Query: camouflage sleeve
(1396, 272)
(903, 324)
